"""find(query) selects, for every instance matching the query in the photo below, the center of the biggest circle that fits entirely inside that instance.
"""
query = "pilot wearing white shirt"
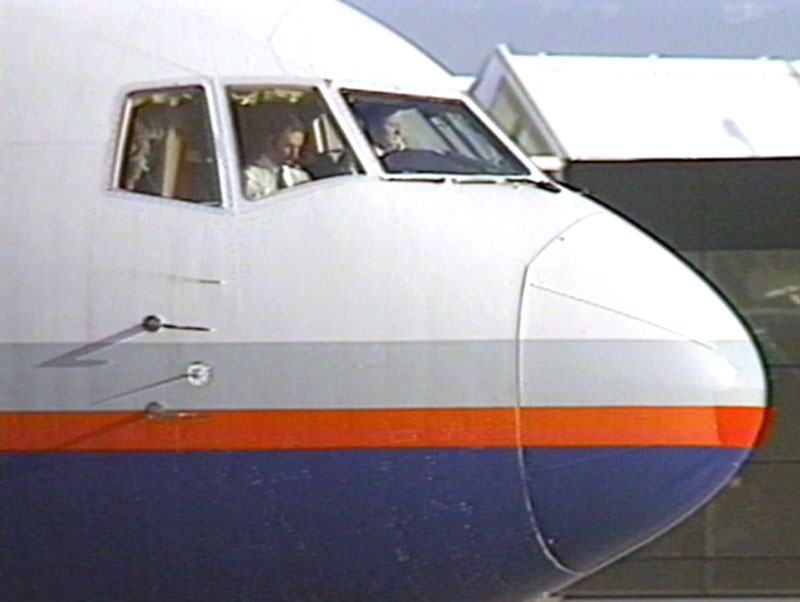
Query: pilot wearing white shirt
(279, 167)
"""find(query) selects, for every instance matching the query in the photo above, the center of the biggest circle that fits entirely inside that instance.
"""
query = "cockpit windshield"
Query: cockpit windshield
(286, 137)
(415, 134)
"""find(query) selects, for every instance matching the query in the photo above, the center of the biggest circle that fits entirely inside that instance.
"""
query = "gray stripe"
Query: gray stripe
(292, 375)
(625, 373)
(47, 377)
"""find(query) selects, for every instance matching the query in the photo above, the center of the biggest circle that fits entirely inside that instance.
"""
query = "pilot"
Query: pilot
(388, 134)
(279, 167)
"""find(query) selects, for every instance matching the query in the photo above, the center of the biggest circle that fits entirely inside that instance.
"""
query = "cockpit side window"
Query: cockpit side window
(286, 137)
(168, 150)
(415, 134)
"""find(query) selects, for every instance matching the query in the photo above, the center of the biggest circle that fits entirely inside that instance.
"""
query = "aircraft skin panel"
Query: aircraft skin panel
(586, 263)
(373, 376)
(129, 43)
(241, 275)
(636, 499)
(254, 463)
(161, 429)
(264, 524)
(382, 382)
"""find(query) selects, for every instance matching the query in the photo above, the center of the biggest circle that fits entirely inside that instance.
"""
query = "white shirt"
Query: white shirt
(265, 177)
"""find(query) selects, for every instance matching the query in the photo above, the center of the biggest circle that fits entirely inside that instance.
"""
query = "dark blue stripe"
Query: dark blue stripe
(594, 504)
(294, 526)
(344, 526)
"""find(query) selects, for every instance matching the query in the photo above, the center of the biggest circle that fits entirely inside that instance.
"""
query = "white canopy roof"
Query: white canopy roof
(652, 107)
(55, 56)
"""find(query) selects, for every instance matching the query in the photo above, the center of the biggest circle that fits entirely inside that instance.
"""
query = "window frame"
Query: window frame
(123, 106)
(225, 144)
(338, 87)
(340, 115)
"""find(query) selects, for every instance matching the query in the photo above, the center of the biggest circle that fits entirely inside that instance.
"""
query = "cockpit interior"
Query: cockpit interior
(287, 135)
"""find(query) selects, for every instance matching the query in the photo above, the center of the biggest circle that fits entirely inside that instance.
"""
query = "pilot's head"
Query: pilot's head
(388, 133)
(393, 132)
(289, 144)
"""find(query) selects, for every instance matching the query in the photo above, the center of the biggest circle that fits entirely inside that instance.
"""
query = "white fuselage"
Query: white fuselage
(419, 343)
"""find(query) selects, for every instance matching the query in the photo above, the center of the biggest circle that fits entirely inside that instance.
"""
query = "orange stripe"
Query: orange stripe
(642, 426)
(391, 428)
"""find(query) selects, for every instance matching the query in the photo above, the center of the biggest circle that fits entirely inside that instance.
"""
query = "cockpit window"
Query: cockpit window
(168, 148)
(286, 137)
(413, 134)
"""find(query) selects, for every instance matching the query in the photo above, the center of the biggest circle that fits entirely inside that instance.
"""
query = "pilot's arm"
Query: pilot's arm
(291, 175)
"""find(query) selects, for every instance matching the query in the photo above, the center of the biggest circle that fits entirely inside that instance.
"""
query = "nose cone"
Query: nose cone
(641, 392)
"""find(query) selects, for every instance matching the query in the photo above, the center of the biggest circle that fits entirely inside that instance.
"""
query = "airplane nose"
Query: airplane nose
(641, 393)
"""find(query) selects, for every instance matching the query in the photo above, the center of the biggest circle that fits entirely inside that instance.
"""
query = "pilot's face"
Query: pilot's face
(393, 135)
(291, 146)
